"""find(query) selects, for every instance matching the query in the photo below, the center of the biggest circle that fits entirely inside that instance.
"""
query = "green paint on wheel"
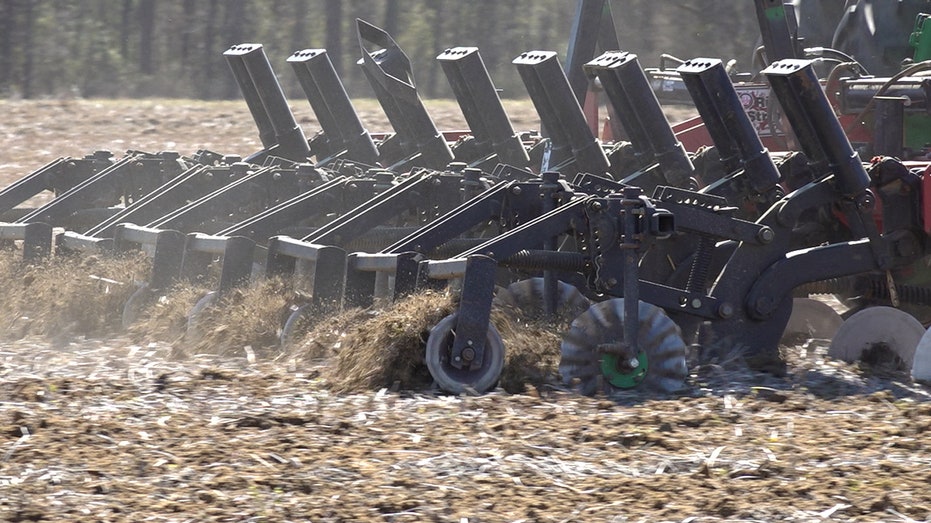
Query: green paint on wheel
(622, 375)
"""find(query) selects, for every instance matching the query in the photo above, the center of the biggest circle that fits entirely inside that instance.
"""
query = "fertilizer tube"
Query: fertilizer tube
(728, 124)
(328, 98)
(819, 132)
(250, 94)
(289, 137)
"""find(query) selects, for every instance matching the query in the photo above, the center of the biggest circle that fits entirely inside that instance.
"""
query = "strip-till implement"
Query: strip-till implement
(654, 249)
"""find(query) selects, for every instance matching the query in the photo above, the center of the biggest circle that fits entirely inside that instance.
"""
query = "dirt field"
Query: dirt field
(102, 425)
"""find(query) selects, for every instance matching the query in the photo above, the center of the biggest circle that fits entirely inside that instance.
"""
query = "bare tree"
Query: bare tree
(146, 18)
(334, 33)
(7, 23)
(28, 50)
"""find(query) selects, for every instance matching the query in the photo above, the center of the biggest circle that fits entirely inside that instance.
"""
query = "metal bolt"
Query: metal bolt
(516, 189)
(634, 363)
(696, 303)
(766, 235)
(597, 206)
(865, 202)
(725, 310)
(468, 354)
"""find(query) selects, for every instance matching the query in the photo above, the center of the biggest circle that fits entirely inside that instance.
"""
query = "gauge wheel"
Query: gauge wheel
(463, 380)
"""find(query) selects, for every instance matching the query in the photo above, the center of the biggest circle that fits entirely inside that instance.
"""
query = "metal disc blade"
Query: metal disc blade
(133, 307)
(526, 296)
(877, 328)
(195, 329)
(661, 357)
(921, 366)
(812, 319)
(296, 324)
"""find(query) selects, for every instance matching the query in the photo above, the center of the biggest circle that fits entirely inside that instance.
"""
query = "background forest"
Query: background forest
(173, 48)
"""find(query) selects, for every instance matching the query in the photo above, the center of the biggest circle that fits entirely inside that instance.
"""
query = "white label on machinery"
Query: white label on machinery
(754, 100)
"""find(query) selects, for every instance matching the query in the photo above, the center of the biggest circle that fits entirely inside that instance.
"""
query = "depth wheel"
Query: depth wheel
(658, 365)
(458, 381)
(872, 331)
(526, 297)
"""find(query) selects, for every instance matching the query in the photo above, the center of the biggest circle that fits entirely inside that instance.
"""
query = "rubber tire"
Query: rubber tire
(456, 381)
(659, 337)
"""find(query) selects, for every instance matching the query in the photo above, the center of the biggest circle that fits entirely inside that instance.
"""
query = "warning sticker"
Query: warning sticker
(754, 100)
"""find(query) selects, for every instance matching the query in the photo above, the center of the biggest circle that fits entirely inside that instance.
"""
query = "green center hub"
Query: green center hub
(620, 373)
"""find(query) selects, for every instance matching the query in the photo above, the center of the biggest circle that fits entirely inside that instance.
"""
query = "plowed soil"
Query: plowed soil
(97, 424)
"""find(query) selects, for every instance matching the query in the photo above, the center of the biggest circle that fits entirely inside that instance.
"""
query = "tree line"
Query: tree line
(173, 48)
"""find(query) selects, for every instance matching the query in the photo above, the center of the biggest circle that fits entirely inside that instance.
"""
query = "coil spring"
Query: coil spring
(378, 238)
(456, 246)
(701, 264)
(875, 287)
(844, 285)
(553, 260)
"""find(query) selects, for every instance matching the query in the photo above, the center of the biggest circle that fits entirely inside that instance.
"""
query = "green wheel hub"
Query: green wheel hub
(621, 373)
(594, 356)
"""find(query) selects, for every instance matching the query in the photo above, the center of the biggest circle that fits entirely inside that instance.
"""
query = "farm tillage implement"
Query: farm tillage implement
(709, 236)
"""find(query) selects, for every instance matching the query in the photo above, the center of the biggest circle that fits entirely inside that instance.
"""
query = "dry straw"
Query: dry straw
(68, 295)
(376, 349)
(387, 348)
